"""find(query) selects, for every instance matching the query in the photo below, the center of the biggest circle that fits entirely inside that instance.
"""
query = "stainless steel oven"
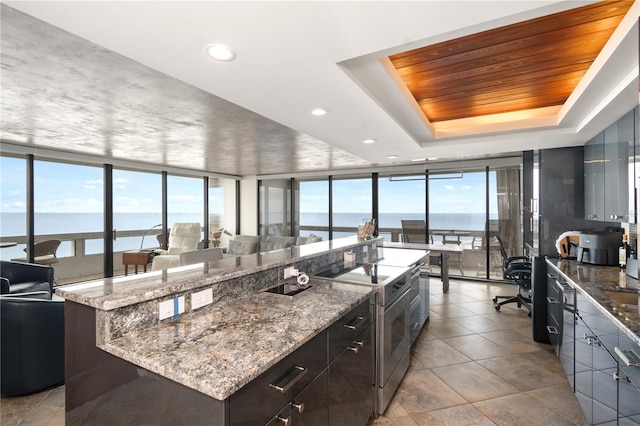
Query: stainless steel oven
(393, 319)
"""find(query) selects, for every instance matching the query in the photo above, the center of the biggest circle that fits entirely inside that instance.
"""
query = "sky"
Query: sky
(65, 188)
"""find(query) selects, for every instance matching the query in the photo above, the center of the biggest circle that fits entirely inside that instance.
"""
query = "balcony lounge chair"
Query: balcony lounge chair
(183, 237)
(44, 252)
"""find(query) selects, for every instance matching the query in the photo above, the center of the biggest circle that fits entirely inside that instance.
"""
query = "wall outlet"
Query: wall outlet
(201, 298)
(365, 249)
(290, 272)
(170, 308)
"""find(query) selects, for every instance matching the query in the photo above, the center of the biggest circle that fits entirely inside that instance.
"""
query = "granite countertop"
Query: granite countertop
(594, 281)
(220, 348)
(112, 293)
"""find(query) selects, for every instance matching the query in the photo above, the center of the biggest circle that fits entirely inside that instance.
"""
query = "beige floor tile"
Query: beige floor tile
(480, 324)
(562, 400)
(527, 371)
(423, 391)
(436, 353)
(478, 307)
(463, 415)
(474, 382)
(512, 341)
(475, 347)
(518, 409)
(445, 328)
(456, 298)
(450, 311)
(14, 409)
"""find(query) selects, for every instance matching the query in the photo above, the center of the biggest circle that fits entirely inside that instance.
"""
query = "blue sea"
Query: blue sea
(13, 224)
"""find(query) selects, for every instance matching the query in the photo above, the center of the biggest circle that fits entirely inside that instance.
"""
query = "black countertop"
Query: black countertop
(594, 281)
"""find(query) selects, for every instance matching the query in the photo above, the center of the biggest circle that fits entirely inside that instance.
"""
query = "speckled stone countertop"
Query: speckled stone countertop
(112, 293)
(220, 348)
(594, 281)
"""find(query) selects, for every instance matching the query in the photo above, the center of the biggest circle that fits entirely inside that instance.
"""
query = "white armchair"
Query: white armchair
(183, 237)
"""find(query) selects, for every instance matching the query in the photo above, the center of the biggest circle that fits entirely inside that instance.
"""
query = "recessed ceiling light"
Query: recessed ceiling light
(392, 157)
(318, 112)
(418, 159)
(369, 141)
(220, 52)
(432, 158)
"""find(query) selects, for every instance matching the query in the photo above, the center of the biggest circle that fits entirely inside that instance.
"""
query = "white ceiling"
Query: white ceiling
(293, 56)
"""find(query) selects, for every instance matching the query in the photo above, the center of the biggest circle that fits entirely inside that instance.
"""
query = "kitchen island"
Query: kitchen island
(125, 365)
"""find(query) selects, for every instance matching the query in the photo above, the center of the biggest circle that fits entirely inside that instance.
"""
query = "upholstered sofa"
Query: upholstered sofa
(248, 244)
(31, 342)
(20, 277)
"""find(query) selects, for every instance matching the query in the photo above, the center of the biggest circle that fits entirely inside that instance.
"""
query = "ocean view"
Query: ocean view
(13, 224)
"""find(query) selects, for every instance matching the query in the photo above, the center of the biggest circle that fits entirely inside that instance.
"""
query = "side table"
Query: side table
(136, 258)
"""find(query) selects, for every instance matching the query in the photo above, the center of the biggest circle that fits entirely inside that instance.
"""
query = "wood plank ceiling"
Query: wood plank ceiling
(527, 65)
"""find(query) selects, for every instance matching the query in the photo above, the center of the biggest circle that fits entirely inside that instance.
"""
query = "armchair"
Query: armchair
(31, 343)
(183, 237)
(516, 269)
(20, 277)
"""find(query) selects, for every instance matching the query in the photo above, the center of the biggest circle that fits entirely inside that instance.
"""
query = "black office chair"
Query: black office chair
(518, 270)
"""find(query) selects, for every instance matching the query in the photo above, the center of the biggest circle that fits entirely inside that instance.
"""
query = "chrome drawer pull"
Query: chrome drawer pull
(290, 378)
(354, 323)
(552, 330)
(616, 376)
(286, 421)
(298, 406)
(552, 300)
(591, 340)
(626, 354)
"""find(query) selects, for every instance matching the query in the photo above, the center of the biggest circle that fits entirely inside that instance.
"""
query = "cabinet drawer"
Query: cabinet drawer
(344, 331)
(260, 400)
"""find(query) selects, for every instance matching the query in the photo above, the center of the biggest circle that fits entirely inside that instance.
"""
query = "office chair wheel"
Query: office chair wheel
(495, 300)
(519, 304)
(497, 308)
(529, 314)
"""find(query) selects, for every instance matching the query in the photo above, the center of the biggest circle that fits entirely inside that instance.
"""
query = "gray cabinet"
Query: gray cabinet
(589, 344)
(608, 181)
(594, 178)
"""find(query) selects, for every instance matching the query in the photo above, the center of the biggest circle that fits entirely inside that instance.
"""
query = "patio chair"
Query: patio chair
(44, 252)
(414, 231)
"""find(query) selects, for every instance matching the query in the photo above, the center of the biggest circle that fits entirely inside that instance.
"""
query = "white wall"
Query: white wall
(248, 205)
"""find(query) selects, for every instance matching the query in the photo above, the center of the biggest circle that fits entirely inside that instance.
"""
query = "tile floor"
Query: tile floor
(470, 365)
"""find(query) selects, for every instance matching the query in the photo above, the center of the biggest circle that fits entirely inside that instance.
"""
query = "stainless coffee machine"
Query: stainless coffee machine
(599, 248)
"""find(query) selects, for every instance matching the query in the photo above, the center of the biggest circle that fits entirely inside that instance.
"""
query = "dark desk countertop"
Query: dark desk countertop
(595, 281)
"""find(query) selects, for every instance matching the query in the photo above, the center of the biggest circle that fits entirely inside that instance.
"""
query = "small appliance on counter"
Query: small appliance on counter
(599, 248)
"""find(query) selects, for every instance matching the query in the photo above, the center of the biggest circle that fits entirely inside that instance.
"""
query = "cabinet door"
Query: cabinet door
(311, 406)
(628, 382)
(594, 178)
(351, 383)
(626, 137)
(601, 335)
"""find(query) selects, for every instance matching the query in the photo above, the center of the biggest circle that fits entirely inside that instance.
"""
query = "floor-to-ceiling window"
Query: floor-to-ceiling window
(275, 207)
(69, 199)
(400, 197)
(13, 214)
(137, 209)
(313, 202)
(457, 217)
(222, 207)
(351, 205)
(185, 200)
